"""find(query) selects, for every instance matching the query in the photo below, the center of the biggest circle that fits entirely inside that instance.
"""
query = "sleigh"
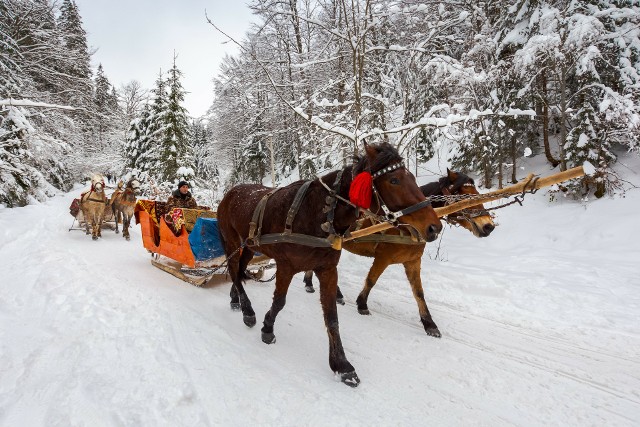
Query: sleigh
(185, 243)
(76, 212)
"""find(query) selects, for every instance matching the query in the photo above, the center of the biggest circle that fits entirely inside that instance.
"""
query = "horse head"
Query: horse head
(397, 196)
(475, 219)
(97, 183)
(134, 185)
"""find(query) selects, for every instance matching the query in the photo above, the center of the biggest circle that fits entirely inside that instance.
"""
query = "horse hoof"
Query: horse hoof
(433, 332)
(117, 232)
(309, 289)
(250, 321)
(94, 237)
(340, 301)
(364, 311)
(350, 378)
(268, 338)
(235, 306)
(128, 238)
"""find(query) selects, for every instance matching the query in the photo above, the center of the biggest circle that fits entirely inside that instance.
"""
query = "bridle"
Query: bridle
(389, 216)
(450, 192)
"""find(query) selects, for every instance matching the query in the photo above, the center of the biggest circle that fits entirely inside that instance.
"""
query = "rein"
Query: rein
(92, 191)
(392, 217)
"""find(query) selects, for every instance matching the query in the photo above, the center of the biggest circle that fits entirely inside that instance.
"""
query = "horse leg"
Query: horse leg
(115, 216)
(283, 280)
(233, 265)
(308, 286)
(85, 217)
(235, 299)
(412, 268)
(248, 315)
(94, 228)
(378, 267)
(100, 218)
(339, 296)
(308, 283)
(338, 362)
(126, 219)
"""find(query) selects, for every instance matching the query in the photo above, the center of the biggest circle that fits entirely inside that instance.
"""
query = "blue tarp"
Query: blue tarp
(205, 240)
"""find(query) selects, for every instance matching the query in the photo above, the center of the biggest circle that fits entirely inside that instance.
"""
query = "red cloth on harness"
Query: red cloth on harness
(361, 189)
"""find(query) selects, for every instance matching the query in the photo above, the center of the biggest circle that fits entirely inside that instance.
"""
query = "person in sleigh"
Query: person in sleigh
(181, 197)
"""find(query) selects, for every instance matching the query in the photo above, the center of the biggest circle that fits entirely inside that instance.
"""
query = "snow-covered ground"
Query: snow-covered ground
(539, 322)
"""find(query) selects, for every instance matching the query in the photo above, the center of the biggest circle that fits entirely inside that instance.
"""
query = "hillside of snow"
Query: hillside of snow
(539, 324)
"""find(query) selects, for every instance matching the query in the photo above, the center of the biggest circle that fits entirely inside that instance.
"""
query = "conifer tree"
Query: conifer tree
(77, 60)
(174, 152)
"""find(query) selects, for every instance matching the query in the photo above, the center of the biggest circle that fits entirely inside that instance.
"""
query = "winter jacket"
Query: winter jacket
(179, 200)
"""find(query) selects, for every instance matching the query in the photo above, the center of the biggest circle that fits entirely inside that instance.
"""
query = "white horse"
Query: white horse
(92, 204)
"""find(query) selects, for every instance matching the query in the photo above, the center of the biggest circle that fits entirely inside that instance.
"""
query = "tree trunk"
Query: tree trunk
(563, 119)
(513, 152)
(500, 166)
(545, 120)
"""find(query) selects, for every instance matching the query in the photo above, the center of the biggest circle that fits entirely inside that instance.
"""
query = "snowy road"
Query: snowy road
(539, 322)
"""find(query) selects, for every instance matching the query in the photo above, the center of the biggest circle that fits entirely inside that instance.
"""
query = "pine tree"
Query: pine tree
(136, 148)
(151, 155)
(78, 61)
(174, 152)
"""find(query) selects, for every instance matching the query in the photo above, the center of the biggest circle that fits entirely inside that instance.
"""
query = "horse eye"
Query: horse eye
(394, 181)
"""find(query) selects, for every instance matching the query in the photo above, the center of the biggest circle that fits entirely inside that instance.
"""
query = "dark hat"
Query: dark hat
(181, 183)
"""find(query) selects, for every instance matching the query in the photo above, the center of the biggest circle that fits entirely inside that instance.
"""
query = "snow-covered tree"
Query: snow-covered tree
(175, 147)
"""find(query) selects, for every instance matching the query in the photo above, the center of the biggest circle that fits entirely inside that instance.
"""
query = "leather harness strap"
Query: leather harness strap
(89, 199)
(288, 236)
(293, 210)
(258, 214)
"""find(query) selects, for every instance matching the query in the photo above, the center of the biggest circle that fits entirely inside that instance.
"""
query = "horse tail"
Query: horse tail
(224, 246)
(238, 253)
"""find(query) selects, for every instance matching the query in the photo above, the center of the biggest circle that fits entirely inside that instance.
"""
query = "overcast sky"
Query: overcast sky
(135, 38)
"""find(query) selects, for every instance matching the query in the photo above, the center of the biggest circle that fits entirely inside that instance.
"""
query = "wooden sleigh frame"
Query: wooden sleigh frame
(171, 252)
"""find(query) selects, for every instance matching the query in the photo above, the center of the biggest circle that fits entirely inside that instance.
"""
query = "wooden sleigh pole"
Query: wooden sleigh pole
(530, 183)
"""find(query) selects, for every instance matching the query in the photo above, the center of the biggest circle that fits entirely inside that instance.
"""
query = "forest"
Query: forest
(492, 81)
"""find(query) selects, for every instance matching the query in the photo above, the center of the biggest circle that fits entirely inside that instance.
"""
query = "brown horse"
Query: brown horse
(123, 203)
(476, 219)
(321, 212)
(92, 204)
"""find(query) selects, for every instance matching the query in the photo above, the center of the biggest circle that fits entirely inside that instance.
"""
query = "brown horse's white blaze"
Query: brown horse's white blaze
(318, 212)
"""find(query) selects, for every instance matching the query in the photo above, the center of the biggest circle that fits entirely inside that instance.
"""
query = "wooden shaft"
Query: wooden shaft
(526, 185)
(369, 230)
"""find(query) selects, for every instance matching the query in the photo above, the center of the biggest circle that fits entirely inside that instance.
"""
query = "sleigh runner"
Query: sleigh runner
(185, 243)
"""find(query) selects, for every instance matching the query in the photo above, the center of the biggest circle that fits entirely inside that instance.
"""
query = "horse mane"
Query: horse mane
(387, 154)
(459, 182)
(434, 188)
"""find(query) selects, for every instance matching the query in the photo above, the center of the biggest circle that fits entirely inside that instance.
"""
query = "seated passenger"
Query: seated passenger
(181, 197)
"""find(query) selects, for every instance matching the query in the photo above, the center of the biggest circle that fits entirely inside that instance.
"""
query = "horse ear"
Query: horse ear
(451, 175)
(370, 150)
